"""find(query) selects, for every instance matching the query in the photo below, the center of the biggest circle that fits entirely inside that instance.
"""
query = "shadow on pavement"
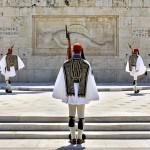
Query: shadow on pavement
(23, 92)
(71, 147)
(138, 94)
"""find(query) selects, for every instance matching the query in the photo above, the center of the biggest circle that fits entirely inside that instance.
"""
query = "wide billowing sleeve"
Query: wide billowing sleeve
(20, 63)
(91, 91)
(3, 65)
(127, 67)
(140, 67)
(59, 91)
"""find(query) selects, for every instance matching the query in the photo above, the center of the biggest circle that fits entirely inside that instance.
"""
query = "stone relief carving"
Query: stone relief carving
(97, 33)
(58, 38)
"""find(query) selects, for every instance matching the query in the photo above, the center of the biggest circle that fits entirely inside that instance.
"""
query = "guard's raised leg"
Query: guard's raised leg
(135, 85)
(8, 85)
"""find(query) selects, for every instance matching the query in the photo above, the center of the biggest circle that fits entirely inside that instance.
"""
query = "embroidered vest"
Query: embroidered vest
(76, 71)
(11, 60)
(132, 61)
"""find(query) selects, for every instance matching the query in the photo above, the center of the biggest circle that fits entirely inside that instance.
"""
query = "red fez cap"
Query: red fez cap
(9, 51)
(136, 50)
(77, 48)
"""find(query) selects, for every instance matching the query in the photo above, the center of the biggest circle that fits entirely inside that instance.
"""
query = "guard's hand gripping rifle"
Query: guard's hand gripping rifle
(69, 54)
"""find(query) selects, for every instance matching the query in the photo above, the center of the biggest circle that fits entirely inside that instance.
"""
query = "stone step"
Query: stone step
(99, 88)
(64, 126)
(64, 135)
(57, 119)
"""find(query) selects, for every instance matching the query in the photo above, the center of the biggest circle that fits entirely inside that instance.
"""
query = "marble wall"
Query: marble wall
(104, 28)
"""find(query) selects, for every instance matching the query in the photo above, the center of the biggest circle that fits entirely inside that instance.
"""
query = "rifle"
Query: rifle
(69, 54)
(130, 47)
(82, 54)
(12, 46)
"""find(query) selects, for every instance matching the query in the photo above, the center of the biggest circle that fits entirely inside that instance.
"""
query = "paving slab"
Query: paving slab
(57, 144)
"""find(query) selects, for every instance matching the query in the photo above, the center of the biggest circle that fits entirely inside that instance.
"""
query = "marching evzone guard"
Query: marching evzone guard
(9, 64)
(75, 85)
(135, 66)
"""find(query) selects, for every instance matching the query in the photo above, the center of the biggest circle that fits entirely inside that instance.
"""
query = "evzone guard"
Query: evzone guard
(135, 66)
(75, 85)
(9, 64)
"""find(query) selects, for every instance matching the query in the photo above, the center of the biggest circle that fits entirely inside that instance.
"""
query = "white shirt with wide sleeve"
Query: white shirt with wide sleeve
(12, 71)
(140, 69)
(60, 90)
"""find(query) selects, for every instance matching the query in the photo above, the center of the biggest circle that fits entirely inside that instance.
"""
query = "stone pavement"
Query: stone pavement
(41, 103)
(43, 144)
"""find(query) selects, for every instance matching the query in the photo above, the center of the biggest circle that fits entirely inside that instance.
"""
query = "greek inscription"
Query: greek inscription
(120, 3)
(141, 33)
(9, 31)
